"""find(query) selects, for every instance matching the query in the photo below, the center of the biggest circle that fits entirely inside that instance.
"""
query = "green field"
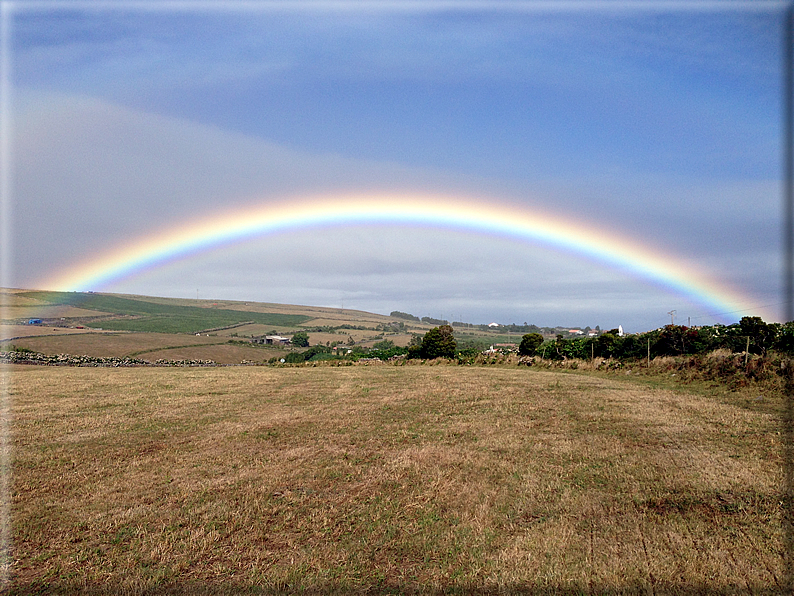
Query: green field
(157, 317)
(428, 479)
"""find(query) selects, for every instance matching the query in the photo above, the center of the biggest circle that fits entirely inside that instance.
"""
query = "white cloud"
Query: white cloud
(92, 175)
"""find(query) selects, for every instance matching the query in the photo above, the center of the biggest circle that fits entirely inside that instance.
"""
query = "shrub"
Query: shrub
(439, 342)
(530, 343)
(300, 339)
(294, 358)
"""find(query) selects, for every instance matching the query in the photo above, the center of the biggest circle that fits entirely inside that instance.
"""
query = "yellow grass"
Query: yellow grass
(255, 329)
(386, 479)
(7, 332)
(15, 306)
(113, 344)
(48, 312)
(221, 354)
(149, 346)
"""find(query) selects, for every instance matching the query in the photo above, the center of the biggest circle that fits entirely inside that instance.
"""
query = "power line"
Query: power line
(738, 311)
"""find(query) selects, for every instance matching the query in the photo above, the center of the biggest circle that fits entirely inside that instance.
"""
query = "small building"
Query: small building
(500, 349)
(493, 325)
(271, 340)
(34, 321)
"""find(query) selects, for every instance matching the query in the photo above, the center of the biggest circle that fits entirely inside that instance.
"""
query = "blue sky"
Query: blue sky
(656, 121)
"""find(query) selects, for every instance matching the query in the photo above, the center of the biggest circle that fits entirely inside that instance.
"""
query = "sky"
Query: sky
(654, 125)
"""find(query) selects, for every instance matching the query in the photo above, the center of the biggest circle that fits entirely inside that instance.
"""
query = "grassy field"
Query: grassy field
(386, 479)
(145, 315)
(166, 328)
(125, 312)
(148, 346)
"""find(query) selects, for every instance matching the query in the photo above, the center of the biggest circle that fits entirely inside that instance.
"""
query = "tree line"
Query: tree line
(750, 334)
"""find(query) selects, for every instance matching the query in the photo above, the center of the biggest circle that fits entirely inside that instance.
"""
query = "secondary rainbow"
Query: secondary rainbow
(481, 217)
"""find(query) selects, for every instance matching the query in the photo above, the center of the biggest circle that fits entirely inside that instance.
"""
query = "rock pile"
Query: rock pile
(27, 357)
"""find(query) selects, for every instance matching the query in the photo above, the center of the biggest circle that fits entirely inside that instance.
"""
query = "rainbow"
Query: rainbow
(483, 217)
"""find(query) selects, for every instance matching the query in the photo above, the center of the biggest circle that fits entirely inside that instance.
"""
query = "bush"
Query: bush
(403, 315)
(439, 342)
(386, 344)
(414, 352)
(318, 349)
(300, 339)
(529, 344)
(322, 356)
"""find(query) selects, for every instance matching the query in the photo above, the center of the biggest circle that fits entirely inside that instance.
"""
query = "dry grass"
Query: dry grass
(386, 479)
(149, 346)
(25, 331)
(13, 305)
(362, 337)
(48, 312)
(255, 329)
(113, 344)
(221, 354)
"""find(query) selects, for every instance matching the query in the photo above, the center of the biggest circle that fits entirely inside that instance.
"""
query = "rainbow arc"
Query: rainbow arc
(479, 217)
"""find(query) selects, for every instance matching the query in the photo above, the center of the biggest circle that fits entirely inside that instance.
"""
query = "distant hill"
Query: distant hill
(143, 314)
(66, 317)
(122, 325)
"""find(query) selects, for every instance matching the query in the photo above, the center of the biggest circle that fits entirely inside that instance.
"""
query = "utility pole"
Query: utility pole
(672, 317)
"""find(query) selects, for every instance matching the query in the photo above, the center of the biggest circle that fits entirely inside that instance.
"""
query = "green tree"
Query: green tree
(560, 344)
(530, 343)
(386, 344)
(414, 351)
(300, 339)
(403, 315)
(314, 350)
(785, 338)
(672, 341)
(761, 334)
(439, 342)
(605, 344)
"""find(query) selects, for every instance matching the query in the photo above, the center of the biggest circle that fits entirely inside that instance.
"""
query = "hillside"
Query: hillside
(119, 325)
